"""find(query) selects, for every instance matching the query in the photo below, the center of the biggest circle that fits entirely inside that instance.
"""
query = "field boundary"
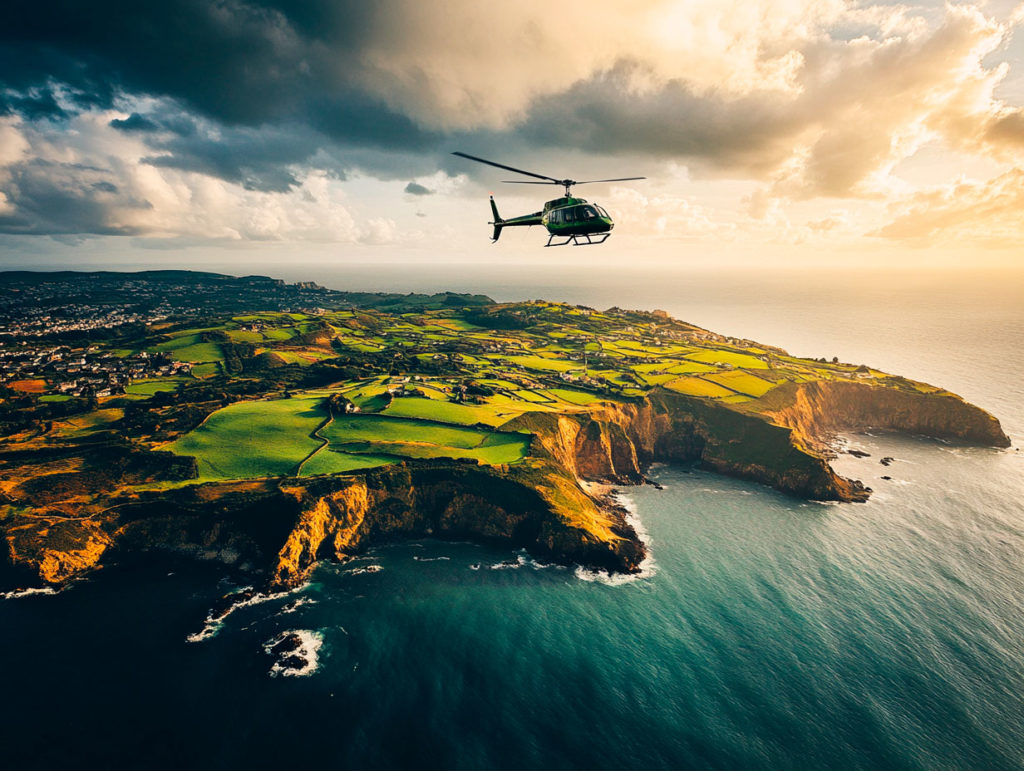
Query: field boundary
(315, 434)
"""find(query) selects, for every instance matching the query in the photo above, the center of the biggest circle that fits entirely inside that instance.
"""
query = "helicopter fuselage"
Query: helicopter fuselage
(573, 219)
(575, 216)
(566, 217)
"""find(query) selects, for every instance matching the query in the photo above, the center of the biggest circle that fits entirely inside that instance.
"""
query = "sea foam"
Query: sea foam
(27, 592)
(647, 568)
(303, 661)
(215, 622)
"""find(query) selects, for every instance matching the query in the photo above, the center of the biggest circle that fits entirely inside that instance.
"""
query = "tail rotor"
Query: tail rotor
(498, 221)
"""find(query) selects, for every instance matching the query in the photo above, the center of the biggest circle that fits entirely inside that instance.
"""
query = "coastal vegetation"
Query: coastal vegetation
(292, 434)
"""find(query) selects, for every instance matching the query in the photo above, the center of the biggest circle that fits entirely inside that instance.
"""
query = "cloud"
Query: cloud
(852, 109)
(93, 179)
(254, 100)
(667, 216)
(135, 122)
(989, 213)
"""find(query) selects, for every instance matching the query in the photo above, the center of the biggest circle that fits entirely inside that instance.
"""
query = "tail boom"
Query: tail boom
(499, 223)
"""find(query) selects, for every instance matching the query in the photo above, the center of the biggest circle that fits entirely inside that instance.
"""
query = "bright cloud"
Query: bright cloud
(334, 122)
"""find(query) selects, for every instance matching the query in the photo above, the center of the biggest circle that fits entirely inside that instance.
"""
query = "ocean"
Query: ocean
(765, 632)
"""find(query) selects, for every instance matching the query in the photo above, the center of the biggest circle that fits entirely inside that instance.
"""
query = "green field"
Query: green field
(370, 428)
(180, 340)
(150, 387)
(574, 397)
(736, 359)
(302, 358)
(540, 363)
(436, 351)
(695, 386)
(271, 438)
(278, 334)
(690, 367)
(741, 381)
(51, 398)
(198, 353)
(334, 461)
(531, 396)
(381, 435)
(243, 336)
(444, 411)
(206, 370)
(254, 439)
(189, 346)
(653, 380)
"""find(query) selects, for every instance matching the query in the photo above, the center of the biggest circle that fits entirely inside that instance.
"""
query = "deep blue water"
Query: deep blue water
(769, 632)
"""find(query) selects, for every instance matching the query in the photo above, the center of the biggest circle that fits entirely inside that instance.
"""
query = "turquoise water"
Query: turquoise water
(768, 633)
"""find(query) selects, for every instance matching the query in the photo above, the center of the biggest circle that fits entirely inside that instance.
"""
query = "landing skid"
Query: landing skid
(578, 240)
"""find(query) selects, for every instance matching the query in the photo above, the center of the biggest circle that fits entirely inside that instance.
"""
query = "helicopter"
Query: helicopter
(573, 219)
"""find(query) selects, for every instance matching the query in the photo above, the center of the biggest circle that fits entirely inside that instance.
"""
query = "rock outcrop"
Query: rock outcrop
(821, 409)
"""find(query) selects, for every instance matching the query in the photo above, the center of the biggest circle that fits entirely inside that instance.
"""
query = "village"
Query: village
(82, 371)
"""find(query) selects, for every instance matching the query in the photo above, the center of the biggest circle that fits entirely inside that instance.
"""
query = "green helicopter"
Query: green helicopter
(573, 219)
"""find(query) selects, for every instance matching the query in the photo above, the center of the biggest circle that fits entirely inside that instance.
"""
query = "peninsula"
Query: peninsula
(270, 425)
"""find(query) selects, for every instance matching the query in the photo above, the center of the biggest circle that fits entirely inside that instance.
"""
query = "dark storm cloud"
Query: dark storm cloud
(258, 159)
(135, 122)
(240, 63)
(33, 106)
(605, 115)
(254, 93)
(260, 93)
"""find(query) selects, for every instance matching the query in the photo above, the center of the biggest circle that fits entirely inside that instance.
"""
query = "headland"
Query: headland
(270, 425)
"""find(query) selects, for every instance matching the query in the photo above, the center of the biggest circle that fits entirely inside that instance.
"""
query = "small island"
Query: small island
(270, 425)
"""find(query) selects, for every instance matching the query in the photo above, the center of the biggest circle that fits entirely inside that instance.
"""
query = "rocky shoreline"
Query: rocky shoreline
(556, 503)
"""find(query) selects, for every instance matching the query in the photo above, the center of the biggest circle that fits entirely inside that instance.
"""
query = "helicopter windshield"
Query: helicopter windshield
(580, 213)
(577, 214)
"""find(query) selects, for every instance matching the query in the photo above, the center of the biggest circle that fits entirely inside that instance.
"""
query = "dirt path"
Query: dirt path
(315, 434)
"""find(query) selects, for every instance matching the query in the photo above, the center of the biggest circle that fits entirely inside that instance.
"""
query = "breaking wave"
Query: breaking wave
(296, 652)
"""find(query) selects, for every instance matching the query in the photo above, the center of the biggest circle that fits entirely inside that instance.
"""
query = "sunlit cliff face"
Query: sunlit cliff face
(780, 127)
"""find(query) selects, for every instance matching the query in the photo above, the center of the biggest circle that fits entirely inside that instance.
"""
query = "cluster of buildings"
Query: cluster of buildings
(83, 372)
(33, 309)
(81, 319)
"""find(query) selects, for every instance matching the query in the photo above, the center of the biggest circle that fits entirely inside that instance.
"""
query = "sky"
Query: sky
(242, 134)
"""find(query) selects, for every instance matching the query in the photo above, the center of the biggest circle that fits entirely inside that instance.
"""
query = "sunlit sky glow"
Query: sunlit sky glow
(790, 133)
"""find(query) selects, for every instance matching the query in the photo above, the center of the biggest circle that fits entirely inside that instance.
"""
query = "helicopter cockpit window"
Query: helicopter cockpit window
(601, 211)
(569, 214)
(588, 212)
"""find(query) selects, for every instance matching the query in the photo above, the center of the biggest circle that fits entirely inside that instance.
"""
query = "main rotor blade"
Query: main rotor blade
(507, 168)
(527, 182)
(620, 179)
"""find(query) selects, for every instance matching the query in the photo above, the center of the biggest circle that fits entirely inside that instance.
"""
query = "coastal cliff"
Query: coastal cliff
(279, 528)
(781, 440)
(820, 410)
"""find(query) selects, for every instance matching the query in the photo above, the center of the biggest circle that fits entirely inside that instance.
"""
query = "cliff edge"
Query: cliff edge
(279, 528)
